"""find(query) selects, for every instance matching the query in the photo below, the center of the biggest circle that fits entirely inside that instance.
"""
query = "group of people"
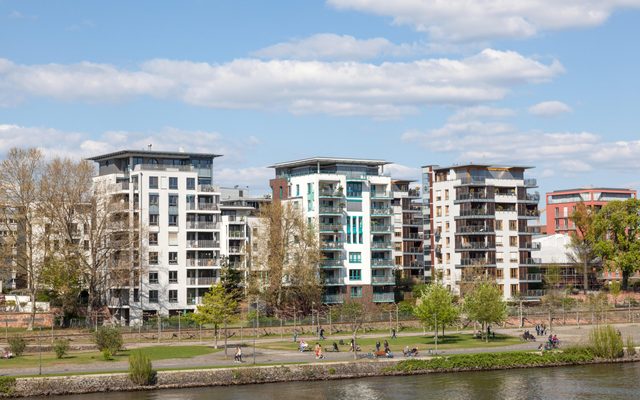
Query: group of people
(7, 354)
(552, 343)
(384, 353)
(410, 353)
(528, 336)
(541, 329)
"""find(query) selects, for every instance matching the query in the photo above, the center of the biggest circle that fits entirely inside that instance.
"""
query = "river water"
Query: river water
(614, 381)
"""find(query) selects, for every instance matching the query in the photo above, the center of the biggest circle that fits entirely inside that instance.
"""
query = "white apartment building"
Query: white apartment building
(169, 198)
(408, 236)
(477, 223)
(349, 202)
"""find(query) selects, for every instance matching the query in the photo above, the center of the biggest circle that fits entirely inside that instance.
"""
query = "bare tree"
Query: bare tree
(25, 242)
(581, 248)
(289, 253)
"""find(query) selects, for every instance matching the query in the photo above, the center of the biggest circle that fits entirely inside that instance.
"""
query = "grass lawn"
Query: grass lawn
(450, 341)
(88, 357)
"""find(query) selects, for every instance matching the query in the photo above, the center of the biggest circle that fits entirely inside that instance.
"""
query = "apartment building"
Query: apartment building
(478, 224)
(168, 198)
(350, 203)
(562, 203)
(408, 235)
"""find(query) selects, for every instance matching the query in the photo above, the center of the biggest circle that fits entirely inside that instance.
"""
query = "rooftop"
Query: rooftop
(488, 166)
(329, 161)
(592, 189)
(151, 153)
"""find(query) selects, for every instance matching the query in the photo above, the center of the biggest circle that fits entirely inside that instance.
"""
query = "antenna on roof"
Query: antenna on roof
(149, 146)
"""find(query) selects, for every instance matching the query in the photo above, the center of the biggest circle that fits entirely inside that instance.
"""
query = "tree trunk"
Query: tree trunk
(225, 340)
(32, 318)
(355, 346)
(585, 270)
(625, 279)
(443, 331)
(215, 336)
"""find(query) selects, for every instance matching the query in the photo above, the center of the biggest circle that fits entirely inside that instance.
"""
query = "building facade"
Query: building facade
(349, 201)
(476, 222)
(169, 199)
(562, 203)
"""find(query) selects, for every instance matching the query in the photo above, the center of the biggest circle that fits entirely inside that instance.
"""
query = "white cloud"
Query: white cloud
(464, 20)
(493, 141)
(329, 46)
(399, 171)
(337, 88)
(472, 113)
(549, 108)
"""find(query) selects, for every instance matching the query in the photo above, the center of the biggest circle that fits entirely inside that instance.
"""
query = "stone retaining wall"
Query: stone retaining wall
(46, 386)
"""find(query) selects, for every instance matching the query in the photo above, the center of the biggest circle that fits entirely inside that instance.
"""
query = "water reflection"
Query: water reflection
(615, 381)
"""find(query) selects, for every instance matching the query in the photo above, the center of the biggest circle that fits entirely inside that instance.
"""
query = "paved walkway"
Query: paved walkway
(567, 334)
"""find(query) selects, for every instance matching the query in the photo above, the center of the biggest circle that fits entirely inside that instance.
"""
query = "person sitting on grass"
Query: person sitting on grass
(7, 354)
(304, 346)
(335, 347)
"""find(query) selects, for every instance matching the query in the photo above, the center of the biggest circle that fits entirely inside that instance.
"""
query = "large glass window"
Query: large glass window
(356, 292)
(355, 257)
(173, 296)
(355, 274)
(153, 277)
(354, 189)
(173, 182)
(153, 182)
(191, 183)
(173, 276)
(173, 257)
(153, 257)
(153, 296)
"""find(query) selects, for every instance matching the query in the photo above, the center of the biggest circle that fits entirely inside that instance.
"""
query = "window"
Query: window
(309, 188)
(514, 290)
(354, 189)
(153, 277)
(173, 296)
(173, 220)
(439, 211)
(281, 192)
(173, 257)
(356, 292)
(173, 182)
(355, 274)
(499, 273)
(498, 225)
(513, 225)
(513, 241)
(153, 182)
(355, 257)
(153, 238)
(173, 276)
(153, 257)
(513, 274)
(173, 200)
(297, 190)
(153, 219)
(191, 183)
(153, 296)
(173, 238)
(154, 199)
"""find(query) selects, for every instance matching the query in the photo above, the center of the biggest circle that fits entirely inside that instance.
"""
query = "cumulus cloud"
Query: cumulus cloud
(329, 46)
(336, 88)
(463, 20)
(399, 171)
(495, 141)
(549, 108)
(472, 113)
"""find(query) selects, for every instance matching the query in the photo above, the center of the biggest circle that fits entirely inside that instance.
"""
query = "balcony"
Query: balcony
(381, 245)
(412, 250)
(476, 262)
(529, 214)
(331, 263)
(193, 301)
(203, 262)
(203, 281)
(534, 293)
(384, 211)
(329, 210)
(481, 230)
(382, 263)
(236, 235)
(531, 183)
(202, 225)
(413, 236)
(334, 245)
(207, 189)
(333, 281)
(332, 298)
(236, 250)
(472, 197)
(472, 180)
(202, 207)
(412, 222)
(413, 193)
(383, 280)
(479, 246)
(412, 208)
(381, 228)
(532, 278)
(530, 261)
(235, 219)
(529, 246)
(381, 195)
(329, 192)
(383, 298)
(330, 227)
(202, 244)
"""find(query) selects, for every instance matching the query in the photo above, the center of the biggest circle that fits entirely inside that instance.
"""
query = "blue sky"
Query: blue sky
(552, 84)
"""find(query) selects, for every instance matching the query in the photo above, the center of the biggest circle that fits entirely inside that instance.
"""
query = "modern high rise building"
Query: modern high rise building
(168, 198)
(349, 201)
(476, 219)
(562, 203)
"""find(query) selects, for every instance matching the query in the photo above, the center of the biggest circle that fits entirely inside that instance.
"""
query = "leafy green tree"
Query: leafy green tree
(231, 279)
(582, 247)
(435, 308)
(218, 308)
(615, 287)
(617, 239)
(484, 304)
(355, 314)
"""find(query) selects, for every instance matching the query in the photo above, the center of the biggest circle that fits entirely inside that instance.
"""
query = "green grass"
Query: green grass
(450, 341)
(88, 357)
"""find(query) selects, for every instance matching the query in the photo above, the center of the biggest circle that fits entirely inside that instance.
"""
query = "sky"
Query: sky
(552, 84)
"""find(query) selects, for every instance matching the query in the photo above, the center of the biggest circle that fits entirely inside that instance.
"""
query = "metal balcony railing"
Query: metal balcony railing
(332, 298)
(198, 244)
(383, 280)
(330, 227)
(202, 281)
(203, 262)
(383, 298)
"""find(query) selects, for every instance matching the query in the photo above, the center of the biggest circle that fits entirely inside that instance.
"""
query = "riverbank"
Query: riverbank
(81, 384)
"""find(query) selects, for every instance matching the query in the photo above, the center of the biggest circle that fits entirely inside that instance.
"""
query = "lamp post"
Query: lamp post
(255, 331)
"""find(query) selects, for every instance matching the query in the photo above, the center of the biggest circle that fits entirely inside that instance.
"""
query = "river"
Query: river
(605, 381)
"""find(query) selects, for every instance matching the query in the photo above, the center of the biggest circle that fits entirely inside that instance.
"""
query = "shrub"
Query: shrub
(7, 384)
(140, 369)
(61, 347)
(108, 338)
(606, 342)
(17, 344)
(107, 355)
(631, 346)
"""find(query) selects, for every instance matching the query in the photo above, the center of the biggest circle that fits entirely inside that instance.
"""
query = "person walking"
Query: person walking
(393, 333)
(238, 355)
(322, 333)
(377, 345)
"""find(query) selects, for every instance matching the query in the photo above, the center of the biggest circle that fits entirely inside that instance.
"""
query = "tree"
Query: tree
(553, 299)
(218, 308)
(290, 255)
(64, 280)
(582, 252)
(355, 314)
(231, 279)
(25, 247)
(615, 288)
(484, 305)
(435, 308)
(617, 240)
